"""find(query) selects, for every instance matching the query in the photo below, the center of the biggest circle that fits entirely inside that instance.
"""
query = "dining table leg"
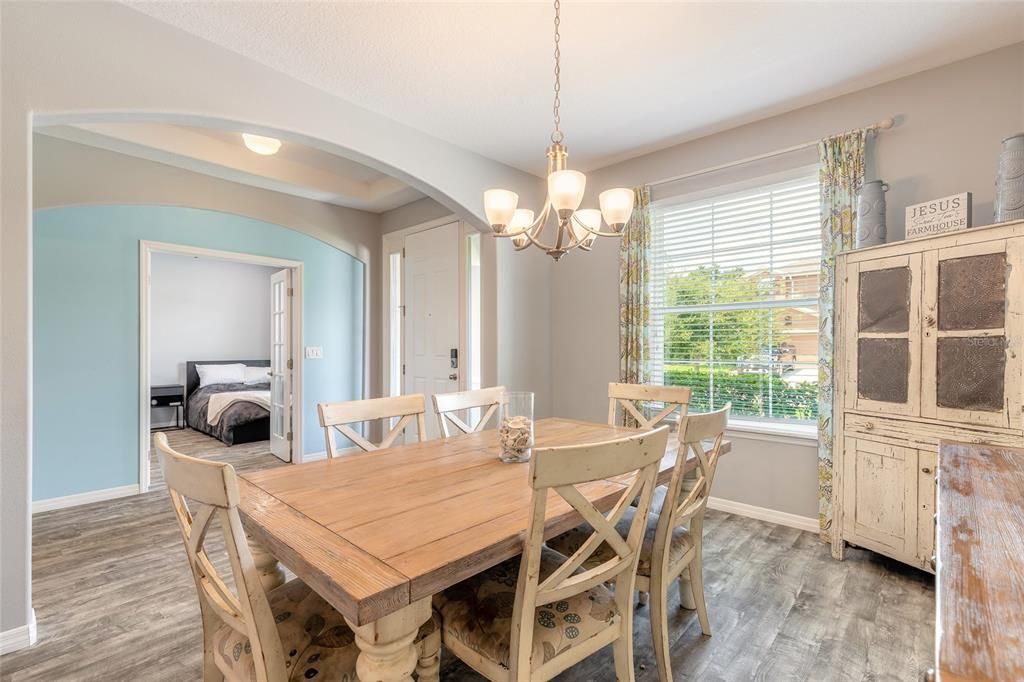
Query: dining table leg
(271, 572)
(386, 650)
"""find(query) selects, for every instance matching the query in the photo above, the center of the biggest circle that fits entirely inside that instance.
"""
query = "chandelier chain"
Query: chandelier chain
(557, 136)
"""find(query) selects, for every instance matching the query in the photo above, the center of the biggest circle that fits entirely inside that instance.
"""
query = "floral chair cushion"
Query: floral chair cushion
(478, 613)
(567, 543)
(317, 643)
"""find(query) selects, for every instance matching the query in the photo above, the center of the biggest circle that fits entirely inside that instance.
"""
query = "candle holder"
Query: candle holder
(515, 427)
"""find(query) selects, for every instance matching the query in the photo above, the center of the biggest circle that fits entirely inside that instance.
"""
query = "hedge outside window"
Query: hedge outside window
(734, 298)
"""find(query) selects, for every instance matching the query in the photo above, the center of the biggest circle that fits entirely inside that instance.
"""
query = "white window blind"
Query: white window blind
(734, 299)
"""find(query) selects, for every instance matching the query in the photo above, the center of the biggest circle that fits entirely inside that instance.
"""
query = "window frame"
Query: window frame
(780, 429)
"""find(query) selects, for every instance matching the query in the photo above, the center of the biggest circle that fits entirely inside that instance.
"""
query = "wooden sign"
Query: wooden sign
(947, 214)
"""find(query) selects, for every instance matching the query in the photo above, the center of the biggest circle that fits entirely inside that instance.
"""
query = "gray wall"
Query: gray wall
(950, 121)
(416, 213)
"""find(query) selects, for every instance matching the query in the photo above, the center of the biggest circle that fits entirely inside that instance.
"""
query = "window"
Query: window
(734, 298)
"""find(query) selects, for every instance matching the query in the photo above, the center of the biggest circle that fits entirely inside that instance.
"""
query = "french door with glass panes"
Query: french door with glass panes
(281, 365)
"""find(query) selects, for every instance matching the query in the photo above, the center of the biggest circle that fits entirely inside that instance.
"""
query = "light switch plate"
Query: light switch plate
(314, 352)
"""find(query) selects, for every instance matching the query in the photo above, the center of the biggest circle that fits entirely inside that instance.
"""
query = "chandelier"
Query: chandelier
(574, 227)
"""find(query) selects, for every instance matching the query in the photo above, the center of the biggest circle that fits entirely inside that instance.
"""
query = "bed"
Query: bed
(236, 422)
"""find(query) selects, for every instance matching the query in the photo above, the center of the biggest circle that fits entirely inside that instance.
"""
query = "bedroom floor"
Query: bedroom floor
(245, 457)
(115, 601)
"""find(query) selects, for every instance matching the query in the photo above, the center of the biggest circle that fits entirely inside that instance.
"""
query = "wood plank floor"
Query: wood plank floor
(114, 601)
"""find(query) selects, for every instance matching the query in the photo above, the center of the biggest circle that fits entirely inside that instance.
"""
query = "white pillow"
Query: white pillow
(221, 374)
(257, 375)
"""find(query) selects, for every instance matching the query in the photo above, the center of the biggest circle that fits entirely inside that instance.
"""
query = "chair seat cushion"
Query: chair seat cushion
(567, 543)
(317, 643)
(478, 613)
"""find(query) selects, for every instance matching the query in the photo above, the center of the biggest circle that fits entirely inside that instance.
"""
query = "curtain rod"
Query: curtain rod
(884, 124)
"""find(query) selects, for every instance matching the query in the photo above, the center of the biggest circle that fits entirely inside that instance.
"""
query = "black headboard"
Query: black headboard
(192, 376)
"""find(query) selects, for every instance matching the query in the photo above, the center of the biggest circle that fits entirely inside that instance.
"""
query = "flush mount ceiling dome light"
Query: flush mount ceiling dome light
(574, 228)
(260, 144)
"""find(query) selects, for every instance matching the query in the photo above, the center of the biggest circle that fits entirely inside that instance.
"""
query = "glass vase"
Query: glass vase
(515, 427)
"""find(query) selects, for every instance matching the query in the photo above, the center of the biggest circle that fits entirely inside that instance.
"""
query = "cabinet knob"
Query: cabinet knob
(929, 675)
(931, 562)
(926, 470)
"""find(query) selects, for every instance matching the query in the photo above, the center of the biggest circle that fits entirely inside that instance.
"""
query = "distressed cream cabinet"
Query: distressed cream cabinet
(929, 346)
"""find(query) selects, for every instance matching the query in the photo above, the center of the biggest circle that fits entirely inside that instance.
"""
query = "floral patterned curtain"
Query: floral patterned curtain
(634, 293)
(841, 174)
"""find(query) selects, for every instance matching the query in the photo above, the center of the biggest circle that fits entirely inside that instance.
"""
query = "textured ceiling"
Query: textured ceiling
(636, 76)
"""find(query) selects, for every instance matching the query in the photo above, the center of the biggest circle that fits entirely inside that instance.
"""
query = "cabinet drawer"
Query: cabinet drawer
(921, 433)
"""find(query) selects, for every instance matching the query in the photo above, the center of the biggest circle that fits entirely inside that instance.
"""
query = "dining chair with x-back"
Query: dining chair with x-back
(453, 409)
(339, 417)
(249, 633)
(532, 617)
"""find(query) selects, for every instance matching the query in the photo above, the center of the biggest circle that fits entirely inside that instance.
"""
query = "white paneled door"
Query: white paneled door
(432, 358)
(281, 365)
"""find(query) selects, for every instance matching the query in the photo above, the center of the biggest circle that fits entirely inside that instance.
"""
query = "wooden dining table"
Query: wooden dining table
(378, 533)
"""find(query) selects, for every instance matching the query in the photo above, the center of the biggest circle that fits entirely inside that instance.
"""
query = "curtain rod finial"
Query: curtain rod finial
(886, 123)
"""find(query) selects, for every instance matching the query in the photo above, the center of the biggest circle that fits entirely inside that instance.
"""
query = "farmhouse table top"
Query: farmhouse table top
(980, 574)
(373, 532)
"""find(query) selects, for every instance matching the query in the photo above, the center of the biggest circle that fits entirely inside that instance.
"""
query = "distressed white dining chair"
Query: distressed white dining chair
(340, 417)
(537, 615)
(448, 405)
(646, 404)
(673, 541)
(288, 633)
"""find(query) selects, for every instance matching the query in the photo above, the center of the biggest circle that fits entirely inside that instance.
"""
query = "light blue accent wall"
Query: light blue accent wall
(86, 331)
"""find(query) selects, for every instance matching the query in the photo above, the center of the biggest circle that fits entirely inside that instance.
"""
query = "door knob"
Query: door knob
(453, 376)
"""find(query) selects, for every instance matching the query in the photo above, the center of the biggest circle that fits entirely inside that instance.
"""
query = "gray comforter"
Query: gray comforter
(238, 414)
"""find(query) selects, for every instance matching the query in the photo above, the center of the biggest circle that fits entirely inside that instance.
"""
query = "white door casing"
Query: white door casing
(280, 365)
(432, 327)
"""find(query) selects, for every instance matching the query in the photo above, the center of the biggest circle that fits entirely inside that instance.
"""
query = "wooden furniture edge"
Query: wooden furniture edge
(969, 235)
(975, 659)
(391, 592)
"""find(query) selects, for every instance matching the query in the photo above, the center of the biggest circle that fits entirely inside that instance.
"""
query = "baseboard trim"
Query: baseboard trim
(316, 456)
(84, 498)
(20, 637)
(313, 456)
(806, 523)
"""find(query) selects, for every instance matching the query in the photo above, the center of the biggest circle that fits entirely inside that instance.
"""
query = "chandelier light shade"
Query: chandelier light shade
(565, 189)
(517, 227)
(586, 222)
(574, 227)
(500, 206)
(616, 207)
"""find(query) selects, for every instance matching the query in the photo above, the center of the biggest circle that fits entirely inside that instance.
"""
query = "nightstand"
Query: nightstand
(169, 395)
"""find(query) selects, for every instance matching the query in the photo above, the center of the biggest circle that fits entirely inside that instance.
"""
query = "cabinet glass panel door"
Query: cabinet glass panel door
(971, 372)
(883, 364)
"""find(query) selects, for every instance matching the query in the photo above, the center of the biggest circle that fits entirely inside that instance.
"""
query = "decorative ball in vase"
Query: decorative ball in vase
(871, 214)
(1010, 181)
(515, 427)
